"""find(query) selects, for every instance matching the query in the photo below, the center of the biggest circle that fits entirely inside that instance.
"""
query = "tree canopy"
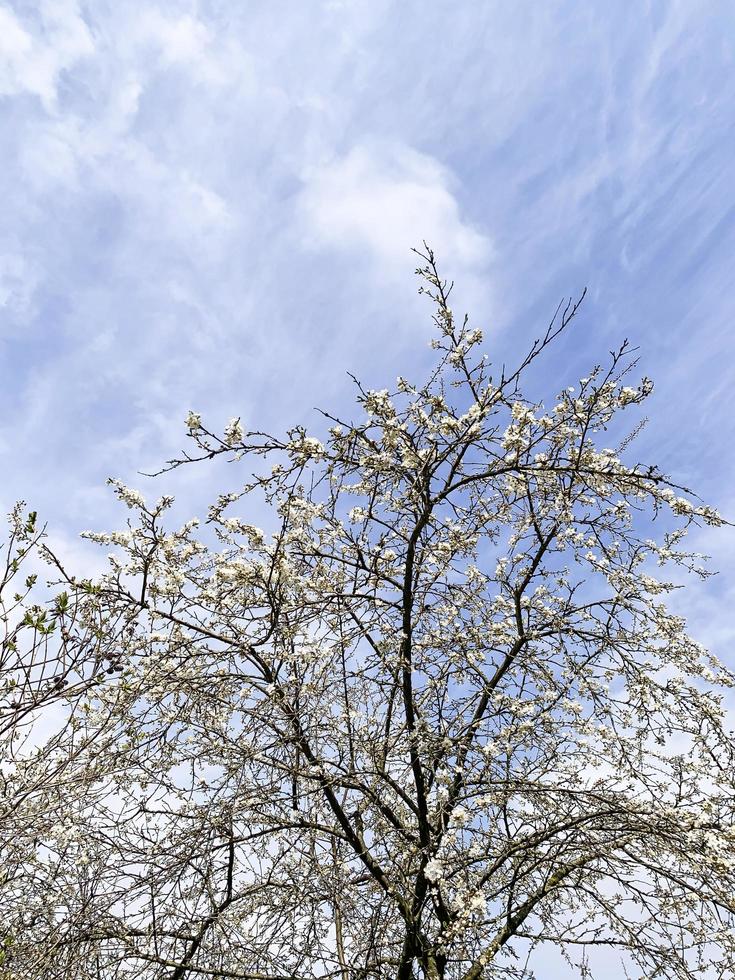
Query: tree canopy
(434, 719)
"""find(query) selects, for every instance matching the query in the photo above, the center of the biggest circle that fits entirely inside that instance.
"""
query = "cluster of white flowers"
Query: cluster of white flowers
(305, 447)
(132, 498)
(459, 816)
(434, 870)
(522, 414)
(233, 433)
(124, 539)
(627, 395)
(514, 439)
(378, 403)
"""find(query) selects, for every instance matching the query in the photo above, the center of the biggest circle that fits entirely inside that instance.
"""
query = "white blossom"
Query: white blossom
(233, 433)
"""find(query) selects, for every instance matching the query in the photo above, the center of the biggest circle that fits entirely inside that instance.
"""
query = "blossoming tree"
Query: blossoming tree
(432, 722)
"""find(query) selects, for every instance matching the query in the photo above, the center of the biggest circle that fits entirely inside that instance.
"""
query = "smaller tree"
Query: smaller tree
(48, 661)
(436, 717)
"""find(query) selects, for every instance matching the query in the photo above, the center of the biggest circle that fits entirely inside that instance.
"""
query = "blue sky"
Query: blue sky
(210, 205)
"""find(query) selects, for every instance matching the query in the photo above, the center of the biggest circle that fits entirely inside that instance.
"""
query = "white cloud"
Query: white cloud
(185, 41)
(386, 198)
(32, 63)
